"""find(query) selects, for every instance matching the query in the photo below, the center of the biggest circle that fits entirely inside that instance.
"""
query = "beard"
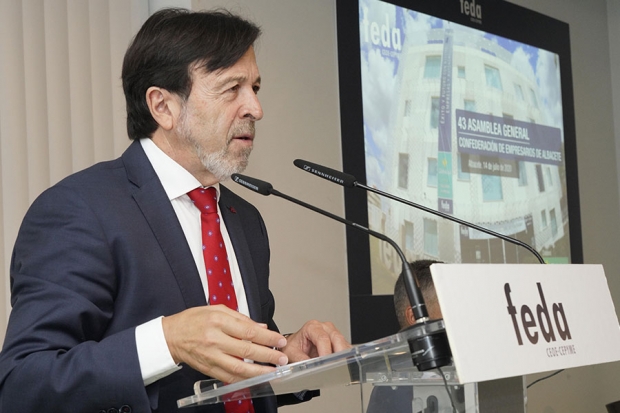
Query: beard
(224, 162)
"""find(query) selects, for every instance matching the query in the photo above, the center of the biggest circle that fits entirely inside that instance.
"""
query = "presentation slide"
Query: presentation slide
(467, 123)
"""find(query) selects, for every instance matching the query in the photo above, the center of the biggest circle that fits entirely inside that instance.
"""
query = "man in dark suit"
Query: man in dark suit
(108, 275)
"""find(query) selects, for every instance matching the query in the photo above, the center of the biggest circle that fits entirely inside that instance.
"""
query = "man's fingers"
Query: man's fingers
(322, 342)
(315, 339)
(295, 354)
(320, 335)
(216, 339)
(231, 369)
(256, 352)
(243, 338)
(339, 343)
(251, 331)
(337, 340)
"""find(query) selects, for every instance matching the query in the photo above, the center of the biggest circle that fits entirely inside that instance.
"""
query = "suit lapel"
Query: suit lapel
(151, 198)
(242, 252)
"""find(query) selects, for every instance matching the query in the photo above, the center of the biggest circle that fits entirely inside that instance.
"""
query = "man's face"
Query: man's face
(216, 124)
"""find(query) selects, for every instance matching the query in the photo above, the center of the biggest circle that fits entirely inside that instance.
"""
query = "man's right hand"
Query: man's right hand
(215, 339)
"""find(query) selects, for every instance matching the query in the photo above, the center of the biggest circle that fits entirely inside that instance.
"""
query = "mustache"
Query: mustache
(245, 128)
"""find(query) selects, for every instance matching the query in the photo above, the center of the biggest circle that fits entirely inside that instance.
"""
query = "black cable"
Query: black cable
(445, 383)
(544, 378)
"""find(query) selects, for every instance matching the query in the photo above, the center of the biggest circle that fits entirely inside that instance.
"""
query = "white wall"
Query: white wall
(613, 24)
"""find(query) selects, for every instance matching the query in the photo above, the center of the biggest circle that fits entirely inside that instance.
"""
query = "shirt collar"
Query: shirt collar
(176, 180)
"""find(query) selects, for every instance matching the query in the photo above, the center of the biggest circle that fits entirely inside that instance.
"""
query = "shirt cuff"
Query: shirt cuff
(153, 353)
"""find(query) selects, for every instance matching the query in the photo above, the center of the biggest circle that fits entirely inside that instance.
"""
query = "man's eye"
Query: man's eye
(234, 88)
(256, 89)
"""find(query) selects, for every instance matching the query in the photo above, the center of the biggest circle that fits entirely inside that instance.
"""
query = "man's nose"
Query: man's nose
(253, 108)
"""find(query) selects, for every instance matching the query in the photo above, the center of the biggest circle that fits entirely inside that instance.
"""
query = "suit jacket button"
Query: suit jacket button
(125, 409)
(112, 410)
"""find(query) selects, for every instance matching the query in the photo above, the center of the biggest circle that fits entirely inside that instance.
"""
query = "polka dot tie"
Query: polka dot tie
(221, 288)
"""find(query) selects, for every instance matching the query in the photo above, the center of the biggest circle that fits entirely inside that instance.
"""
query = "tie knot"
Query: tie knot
(205, 199)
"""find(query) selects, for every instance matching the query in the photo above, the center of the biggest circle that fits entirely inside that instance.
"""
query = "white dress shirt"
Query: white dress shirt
(155, 359)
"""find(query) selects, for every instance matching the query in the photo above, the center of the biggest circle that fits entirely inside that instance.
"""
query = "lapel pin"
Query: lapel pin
(232, 209)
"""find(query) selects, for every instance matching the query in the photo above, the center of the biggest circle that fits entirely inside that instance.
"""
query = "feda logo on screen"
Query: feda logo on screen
(542, 322)
(380, 33)
(472, 10)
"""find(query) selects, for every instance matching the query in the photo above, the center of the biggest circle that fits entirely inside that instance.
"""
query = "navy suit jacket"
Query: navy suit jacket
(98, 254)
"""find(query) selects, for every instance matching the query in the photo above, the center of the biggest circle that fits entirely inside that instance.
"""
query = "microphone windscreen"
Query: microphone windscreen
(256, 185)
(324, 172)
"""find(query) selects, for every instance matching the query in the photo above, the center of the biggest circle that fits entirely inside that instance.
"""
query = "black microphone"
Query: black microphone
(350, 181)
(265, 188)
(430, 349)
(324, 172)
(256, 185)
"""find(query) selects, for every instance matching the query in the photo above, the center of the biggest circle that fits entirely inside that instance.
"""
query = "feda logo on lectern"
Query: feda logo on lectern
(546, 320)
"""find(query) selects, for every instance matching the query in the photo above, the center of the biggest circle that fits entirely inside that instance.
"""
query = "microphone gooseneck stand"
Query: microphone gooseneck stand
(429, 343)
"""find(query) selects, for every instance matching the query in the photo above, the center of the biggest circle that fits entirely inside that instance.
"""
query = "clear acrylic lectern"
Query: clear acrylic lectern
(382, 370)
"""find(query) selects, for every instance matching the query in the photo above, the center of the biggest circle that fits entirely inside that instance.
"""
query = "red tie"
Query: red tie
(221, 288)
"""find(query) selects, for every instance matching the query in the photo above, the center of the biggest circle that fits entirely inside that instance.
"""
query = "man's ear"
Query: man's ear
(164, 107)
(409, 316)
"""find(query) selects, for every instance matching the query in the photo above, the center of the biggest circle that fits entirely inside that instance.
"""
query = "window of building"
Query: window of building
(461, 72)
(432, 68)
(431, 178)
(541, 179)
(543, 218)
(519, 92)
(522, 174)
(403, 170)
(549, 176)
(493, 78)
(470, 105)
(408, 236)
(534, 100)
(492, 188)
(407, 107)
(434, 113)
(431, 245)
(463, 176)
(554, 222)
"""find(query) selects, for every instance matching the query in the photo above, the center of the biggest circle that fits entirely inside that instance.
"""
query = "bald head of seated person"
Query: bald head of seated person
(399, 399)
(422, 274)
